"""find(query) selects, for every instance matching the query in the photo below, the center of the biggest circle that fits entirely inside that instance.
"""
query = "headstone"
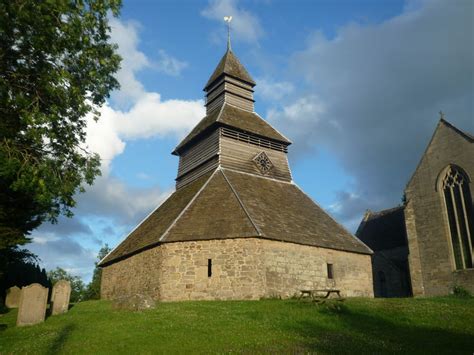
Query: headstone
(13, 297)
(32, 308)
(60, 297)
(135, 302)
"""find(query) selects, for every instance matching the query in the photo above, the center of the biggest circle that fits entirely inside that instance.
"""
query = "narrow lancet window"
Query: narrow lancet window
(458, 202)
(209, 267)
(330, 271)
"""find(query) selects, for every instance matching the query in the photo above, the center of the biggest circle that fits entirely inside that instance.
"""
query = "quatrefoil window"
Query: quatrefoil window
(263, 162)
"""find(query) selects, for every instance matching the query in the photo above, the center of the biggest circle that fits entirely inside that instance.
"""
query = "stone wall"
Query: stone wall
(293, 267)
(393, 264)
(237, 270)
(431, 261)
(247, 268)
(138, 274)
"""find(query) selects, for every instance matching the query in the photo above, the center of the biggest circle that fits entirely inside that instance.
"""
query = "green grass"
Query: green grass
(431, 325)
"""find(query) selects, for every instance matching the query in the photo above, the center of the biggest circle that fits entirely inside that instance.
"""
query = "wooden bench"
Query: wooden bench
(315, 294)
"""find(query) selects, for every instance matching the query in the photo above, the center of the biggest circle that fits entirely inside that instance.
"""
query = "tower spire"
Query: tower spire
(228, 19)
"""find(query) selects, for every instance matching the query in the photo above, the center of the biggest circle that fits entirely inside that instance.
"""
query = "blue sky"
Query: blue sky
(356, 85)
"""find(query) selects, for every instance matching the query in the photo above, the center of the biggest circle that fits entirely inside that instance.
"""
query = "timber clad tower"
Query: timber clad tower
(236, 227)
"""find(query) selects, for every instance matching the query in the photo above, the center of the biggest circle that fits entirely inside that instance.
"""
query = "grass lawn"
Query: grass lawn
(431, 325)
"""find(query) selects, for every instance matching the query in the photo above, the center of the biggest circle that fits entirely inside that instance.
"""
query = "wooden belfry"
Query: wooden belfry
(233, 184)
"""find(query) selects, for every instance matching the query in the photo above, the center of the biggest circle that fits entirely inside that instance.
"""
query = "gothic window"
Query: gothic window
(459, 211)
(263, 162)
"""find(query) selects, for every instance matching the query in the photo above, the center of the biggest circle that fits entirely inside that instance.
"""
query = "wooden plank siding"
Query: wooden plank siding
(198, 172)
(232, 91)
(239, 156)
(234, 150)
(197, 154)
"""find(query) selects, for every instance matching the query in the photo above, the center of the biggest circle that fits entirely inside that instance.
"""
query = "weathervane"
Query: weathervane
(441, 115)
(228, 19)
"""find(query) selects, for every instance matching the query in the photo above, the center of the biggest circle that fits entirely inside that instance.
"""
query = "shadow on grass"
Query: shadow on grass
(347, 331)
(58, 343)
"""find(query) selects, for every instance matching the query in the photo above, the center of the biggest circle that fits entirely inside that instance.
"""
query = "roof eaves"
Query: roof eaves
(184, 143)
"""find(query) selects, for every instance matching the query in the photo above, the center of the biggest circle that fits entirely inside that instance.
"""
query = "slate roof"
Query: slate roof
(383, 230)
(245, 205)
(232, 116)
(230, 65)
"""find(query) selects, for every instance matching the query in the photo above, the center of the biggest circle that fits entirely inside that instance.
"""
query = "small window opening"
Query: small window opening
(209, 267)
(330, 271)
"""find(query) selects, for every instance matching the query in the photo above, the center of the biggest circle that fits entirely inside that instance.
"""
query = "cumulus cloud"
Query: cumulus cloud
(125, 35)
(374, 92)
(169, 64)
(111, 198)
(133, 113)
(245, 25)
(64, 252)
(271, 90)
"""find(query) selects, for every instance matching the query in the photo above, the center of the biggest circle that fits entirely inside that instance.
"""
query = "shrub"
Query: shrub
(461, 292)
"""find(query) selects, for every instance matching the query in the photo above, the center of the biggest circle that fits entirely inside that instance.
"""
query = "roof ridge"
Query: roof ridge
(375, 214)
(165, 233)
(441, 121)
(458, 130)
(241, 203)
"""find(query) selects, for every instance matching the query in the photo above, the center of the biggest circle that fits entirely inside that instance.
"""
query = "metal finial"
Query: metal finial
(441, 115)
(228, 19)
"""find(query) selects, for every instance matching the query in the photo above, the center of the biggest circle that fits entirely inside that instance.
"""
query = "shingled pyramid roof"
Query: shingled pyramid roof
(234, 117)
(230, 65)
(246, 206)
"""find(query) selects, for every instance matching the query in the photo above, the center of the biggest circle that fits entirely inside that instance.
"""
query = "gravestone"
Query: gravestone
(60, 297)
(13, 297)
(32, 308)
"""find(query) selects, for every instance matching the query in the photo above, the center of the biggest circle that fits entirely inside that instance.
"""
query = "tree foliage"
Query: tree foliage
(56, 68)
(93, 289)
(77, 285)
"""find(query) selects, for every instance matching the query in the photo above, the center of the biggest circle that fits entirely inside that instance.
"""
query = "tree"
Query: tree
(77, 285)
(20, 269)
(56, 68)
(93, 289)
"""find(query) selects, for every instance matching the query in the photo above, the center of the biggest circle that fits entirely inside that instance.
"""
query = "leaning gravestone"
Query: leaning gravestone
(60, 297)
(13, 297)
(33, 301)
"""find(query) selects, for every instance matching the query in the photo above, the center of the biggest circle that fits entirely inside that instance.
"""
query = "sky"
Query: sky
(357, 85)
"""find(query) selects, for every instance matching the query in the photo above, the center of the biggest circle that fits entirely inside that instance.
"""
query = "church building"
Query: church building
(237, 226)
(425, 247)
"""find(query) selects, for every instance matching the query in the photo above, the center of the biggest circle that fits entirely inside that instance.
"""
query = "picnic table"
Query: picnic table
(318, 295)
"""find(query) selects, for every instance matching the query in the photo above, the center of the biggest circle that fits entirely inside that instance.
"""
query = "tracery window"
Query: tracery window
(460, 216)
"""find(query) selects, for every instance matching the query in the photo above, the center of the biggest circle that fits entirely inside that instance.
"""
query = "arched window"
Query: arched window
(460, 216)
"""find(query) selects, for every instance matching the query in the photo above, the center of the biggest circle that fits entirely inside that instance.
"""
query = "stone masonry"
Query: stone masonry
(245, 268)
(431, 261)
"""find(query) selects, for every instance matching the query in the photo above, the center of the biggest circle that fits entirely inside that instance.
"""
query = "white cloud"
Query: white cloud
(273, 90)
(137, 113)
(125, 35)
(245, 25)
(169, 64)
(134, 113)
(373, 95)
